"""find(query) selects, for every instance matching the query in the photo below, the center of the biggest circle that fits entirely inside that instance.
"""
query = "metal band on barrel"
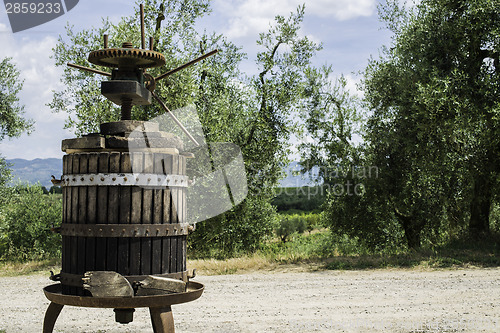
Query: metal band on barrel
(124, 230)
(75, 280)
(124, 179)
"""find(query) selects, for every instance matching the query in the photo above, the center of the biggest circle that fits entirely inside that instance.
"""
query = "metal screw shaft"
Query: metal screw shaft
(126, 109)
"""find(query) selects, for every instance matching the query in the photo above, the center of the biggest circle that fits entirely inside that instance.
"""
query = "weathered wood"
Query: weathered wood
(102, 213)
(113, 214)
(167, 169)
(136, 216)
(91, 214)
(82, 217)
(115, 205)
(174, 216)
(181, 242)
(88, 142)
(74, 219)
(157, 217)
(66, 244)
(125, 209)
(147, 215)
(127, 126)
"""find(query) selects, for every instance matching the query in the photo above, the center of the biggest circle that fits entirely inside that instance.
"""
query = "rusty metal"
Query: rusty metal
(55, 182)
(124, 179)
(193, 275)
(75, 280)
(193, 291)
(190, 63)
(126, 93)
(126, 104)
(143, 38)
(131, 64)
(107, 284)
(51, 315)
(149, 82)
(124, 230)
(55, 277)
(124, 316)
(160, 101)
(88, 69)
(156, 285)
(159, 306)
(126, 57)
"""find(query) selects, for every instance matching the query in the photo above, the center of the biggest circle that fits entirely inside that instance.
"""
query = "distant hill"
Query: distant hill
(294, 179)
(37, 170)
(40, 170)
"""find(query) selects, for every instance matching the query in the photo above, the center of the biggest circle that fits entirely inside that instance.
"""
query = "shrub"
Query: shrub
(285, 228)
(26, 218)
(242, 230)
(290, 224)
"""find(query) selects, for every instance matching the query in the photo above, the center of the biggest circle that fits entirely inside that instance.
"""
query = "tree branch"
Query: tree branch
(263, 102)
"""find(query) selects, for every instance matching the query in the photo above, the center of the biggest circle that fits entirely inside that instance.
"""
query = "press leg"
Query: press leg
(162, 319)
(51, 315)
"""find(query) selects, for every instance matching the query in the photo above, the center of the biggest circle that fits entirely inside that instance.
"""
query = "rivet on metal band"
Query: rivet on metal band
(124, 230)
(125, 179)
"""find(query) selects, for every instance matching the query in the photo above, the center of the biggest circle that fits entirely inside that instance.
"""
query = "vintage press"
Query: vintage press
(124, 203)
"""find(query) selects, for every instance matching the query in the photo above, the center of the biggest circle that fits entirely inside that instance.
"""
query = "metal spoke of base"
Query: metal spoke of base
(51, 315)
(162, 319)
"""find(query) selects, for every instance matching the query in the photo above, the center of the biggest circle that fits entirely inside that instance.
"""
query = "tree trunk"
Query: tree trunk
(412, 230)
(412, 236)
(479, 223)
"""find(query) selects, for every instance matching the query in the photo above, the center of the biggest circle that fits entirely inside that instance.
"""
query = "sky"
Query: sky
(348, 29)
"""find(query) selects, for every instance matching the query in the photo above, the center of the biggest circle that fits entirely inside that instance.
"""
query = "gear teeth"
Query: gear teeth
(110, 57)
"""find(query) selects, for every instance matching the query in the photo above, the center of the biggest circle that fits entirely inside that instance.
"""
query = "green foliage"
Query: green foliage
(55, 190)
(302, 247)
(12, 124)
(306, 199)
(431, 133)
(433, 130)
(290, 224)
(26, 219)
(287, 226)
(313, 221)
(242, 230)
(332, 116)
(5, 176)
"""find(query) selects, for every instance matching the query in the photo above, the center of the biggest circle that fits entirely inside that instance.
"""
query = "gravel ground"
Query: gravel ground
(466, 300)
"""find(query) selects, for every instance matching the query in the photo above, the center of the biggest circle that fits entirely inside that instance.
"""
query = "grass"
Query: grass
(312, 252)
(14, 268)
(459, 253)
(307, 253)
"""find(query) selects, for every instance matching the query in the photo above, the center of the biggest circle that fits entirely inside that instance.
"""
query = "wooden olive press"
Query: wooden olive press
(124, 202)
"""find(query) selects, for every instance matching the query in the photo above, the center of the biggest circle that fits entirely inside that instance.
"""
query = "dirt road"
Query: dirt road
(327, 301)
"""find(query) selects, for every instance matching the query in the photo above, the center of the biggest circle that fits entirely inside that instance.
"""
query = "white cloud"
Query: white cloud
(249, 16)
(341, 9)
(31, 54)
(352, 83)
